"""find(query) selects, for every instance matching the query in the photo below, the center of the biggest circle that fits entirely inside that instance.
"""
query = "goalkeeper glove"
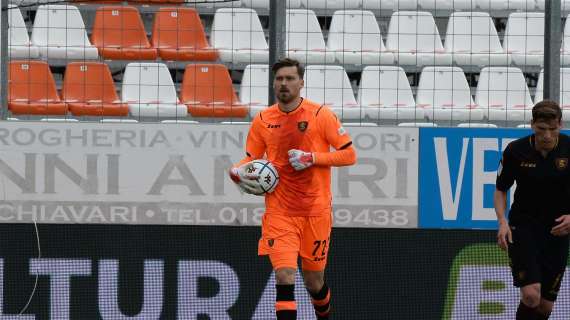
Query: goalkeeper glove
(300, 160)
(246, 179)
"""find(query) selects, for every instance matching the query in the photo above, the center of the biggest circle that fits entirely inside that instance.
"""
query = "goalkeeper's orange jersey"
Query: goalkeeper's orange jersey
(311, 128)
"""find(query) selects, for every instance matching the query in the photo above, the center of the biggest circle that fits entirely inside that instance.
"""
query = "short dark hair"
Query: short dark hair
(546, 110)
(288, 62)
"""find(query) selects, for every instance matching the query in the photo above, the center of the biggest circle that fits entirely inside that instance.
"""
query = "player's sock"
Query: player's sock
(285, 306)
(322, 302)
(525, 312)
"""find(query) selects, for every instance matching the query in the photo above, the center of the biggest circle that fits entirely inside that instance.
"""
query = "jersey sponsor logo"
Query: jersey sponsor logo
(525, 164)
(273, 126)
(561, 163)
(302, 125)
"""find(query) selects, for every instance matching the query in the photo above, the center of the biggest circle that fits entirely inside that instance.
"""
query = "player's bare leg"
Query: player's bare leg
(530, 300)
(285, 305)
(319, 291)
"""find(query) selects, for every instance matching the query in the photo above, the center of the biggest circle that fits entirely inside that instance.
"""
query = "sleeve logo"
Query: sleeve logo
(341, 131)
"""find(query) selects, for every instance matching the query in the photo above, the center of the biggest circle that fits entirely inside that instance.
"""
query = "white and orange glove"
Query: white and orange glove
(246, 179)
(300, 159)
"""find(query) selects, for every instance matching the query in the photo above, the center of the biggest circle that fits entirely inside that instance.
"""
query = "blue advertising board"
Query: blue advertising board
(457, 173)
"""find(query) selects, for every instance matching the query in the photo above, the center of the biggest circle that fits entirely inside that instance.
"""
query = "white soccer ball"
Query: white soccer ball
(268, 175)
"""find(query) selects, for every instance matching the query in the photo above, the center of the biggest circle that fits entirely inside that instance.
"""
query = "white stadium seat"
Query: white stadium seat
(214, 3)
(417, 124)
(564, 91)
(329, 85)
(238, 36)
(565, 50)
(59, 33)
(305, 40)
(354, 37)
(390, 4)
(254, 87)
(472, 40)
(476, 125)
(524, 38)
(149, 91)
(414, 38)
(331, 4)
(385, 94)
(494, 5)
(447, 4)
(503, 94)
(446, 96)
(19, 41)
(264, 4)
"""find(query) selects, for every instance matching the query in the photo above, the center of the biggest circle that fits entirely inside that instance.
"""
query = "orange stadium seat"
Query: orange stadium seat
(207, 90)
(31, 89)
(88, 90)
(119, 33)
(178, 34)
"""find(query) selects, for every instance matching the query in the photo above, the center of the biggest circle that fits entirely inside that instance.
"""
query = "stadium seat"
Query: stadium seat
(214, 3)
(254, 87)
(178, 35)
(238, 36)
(417, 124)
(495, 5)
(305, 40)
(149, 91)
(354, 37)
(329, 85)
(390, 4)
(476, 125)
(503, 94)
(446, 4)
(32, 91)
(472, 40)
(524, 38)
(331, 4)
(564, 91)
(415, 41)
(89, 90)
(119, 33)
(264, 4)
(446, 96)
(385, 93)
(208, 91)
(19, 41)
(59, 33)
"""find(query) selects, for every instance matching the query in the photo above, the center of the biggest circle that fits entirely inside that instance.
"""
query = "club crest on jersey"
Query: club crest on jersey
(561, 163)
(302, 125)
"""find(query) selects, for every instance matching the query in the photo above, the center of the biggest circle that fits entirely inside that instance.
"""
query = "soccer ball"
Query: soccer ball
(268, 175)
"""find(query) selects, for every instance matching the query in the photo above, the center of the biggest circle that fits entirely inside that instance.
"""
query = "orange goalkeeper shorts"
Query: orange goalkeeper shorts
(285, 238)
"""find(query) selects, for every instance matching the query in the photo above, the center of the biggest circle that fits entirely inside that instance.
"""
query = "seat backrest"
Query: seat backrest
(413, 30)
(525, 32)
(178, 27)
(355, 30)
(148, 82)
(331, 4)
(118, 26)
(85, 81)
(303, 30)
(17, 26)
(386, 85)
(443, 86)
(237, 28)
(566, 36)
(254, 84)
(59, 25)
(264, 4)
(473, 32)
(564, 87)
(207, 83)
(31, 80)
(328, 84)
(502, 86)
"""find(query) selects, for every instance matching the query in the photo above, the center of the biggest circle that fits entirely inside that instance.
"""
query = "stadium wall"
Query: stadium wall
(131, 223)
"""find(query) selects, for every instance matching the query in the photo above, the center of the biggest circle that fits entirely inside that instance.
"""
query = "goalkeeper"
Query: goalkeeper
(296, 135)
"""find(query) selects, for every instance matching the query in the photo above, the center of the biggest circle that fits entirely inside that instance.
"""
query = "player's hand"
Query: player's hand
(503, 235)
(246, 179)
(563, 226)
(300, 160)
